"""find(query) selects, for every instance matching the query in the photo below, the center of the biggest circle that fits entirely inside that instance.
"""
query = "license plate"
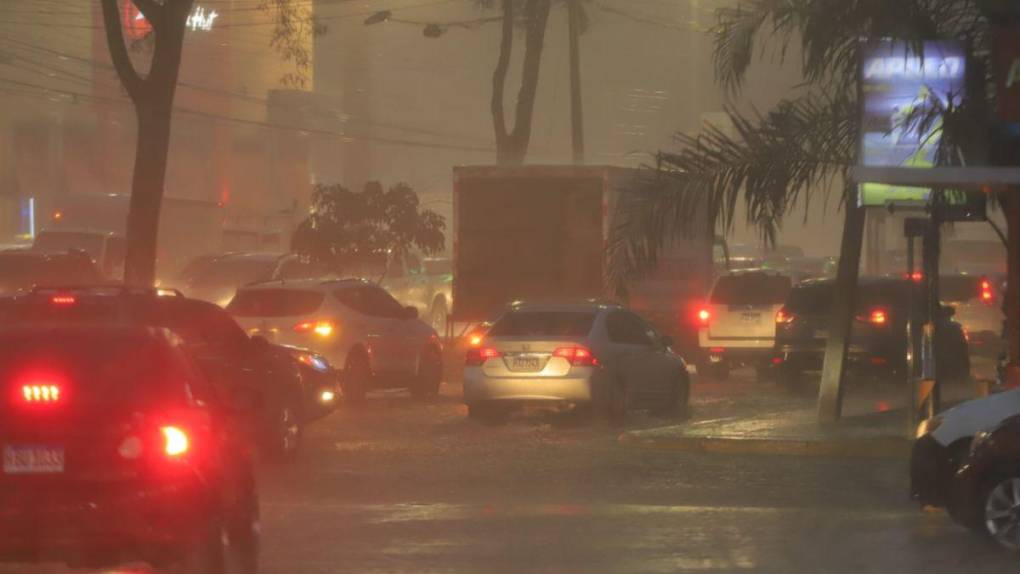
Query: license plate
(33, 459)
(526, 364)
(751, 317)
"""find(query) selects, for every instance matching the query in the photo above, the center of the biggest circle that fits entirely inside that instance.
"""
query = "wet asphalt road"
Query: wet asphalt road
(395, 485)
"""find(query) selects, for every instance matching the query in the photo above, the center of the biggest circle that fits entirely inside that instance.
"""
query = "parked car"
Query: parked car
(878, 339)
(425, 284)
(944, 440)
(355, 324)
(738, 322)
(589, 354)
(22, 270)
(116, 449)
(106, 248)
(289, 387)
(217, 280)
(986, 490)
(977, 301)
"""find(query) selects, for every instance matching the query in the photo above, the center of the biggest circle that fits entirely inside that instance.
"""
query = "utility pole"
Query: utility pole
(576, 114)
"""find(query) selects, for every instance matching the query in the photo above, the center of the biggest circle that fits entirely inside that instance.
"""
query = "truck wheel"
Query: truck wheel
(357, 375)
(430, 375)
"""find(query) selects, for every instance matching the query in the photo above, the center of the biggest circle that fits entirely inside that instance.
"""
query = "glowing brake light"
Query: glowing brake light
(704, 316)
(63, 300)
(477, 357)
(784, 317)
(987, 295)
(175, 441)
(320, 328)
(578, 356)
(40, 393)
(878, 317)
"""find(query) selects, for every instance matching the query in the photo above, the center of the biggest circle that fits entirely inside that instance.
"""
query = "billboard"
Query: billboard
(896, 82)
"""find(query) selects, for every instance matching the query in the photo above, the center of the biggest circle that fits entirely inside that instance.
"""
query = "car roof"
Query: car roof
(593, 305)
(27, 330)
(862, 281)
(319, 284)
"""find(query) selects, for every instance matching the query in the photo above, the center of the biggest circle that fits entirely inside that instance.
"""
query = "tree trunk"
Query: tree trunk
(151, 151)
(512, 147)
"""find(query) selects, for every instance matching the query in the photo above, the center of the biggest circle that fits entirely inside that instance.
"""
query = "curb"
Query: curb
(882, 447)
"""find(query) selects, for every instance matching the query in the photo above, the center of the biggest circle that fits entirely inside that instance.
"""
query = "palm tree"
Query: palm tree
(806, 145)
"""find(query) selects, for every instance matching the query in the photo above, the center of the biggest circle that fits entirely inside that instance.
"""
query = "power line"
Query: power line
(257, 123)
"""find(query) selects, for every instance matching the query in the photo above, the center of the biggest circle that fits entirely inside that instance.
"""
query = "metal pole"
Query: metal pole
(576, 113)
(911, 347)
(830, 392)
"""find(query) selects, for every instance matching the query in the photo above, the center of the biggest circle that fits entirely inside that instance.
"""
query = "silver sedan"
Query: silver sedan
(588, 355)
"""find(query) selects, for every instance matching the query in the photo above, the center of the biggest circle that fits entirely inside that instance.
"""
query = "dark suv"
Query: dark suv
(878, 340)
(292, 386)
(116, 449)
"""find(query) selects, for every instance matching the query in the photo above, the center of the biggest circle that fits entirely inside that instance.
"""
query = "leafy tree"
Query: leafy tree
(346, 228)
(806, 145)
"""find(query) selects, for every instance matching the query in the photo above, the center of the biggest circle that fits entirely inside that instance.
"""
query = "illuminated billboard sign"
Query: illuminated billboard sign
(896, 82)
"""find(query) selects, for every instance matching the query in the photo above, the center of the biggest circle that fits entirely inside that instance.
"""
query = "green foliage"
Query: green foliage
(348, 227)
(806, 145)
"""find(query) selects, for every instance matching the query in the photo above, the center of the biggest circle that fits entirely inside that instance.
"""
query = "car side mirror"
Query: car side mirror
(410, 313)
(243, 400)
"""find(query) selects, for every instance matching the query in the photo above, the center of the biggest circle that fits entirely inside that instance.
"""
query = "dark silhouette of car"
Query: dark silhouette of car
(117, 449)
(22, 270)
(292, 386)
(878, 340)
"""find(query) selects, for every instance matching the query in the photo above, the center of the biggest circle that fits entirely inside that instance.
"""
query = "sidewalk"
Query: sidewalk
(762, 418)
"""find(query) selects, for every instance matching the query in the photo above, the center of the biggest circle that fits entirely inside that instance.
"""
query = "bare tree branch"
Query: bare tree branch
(133, 83)
(499, 75)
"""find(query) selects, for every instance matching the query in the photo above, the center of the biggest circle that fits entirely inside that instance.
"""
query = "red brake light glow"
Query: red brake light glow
(476, 357)
(784, 317)
(578, 356)
(175, 441)
(63, 300)
(320, 328)
(878, 317)
(987, 296)
(704, 316)
(40, 394)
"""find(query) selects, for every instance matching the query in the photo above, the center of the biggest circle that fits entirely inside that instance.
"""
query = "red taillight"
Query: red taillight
(704, 316)
(877, 317)
(916, 276)
(578, 356)
(63, 300)
(987, 295)
(477, 357)
(784, 317)
(320, 328)
(40, 393)
(175, 441)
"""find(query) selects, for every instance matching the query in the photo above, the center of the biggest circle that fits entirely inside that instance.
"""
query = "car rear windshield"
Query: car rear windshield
(816, 299)
(959, 288)
(274, 303)
(92, 367)
(543, 324)
(751, 289)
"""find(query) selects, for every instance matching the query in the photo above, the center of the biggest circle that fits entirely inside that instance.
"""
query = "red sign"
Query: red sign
(136, 26)
(1007, 58)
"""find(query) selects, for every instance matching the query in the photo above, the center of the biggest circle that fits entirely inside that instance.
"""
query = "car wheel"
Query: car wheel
(286, 432)
(437, 317)
(1002, 511)
(616, 410)
(206, 553)
(356, 378)
(430, 375)
(676, 402)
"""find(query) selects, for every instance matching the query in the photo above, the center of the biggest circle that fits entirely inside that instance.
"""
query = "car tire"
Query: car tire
(206, 554)
(356, 377)
(617, 403)
(998, 500)
(678, 399)
(430, 375)
(286, 430)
